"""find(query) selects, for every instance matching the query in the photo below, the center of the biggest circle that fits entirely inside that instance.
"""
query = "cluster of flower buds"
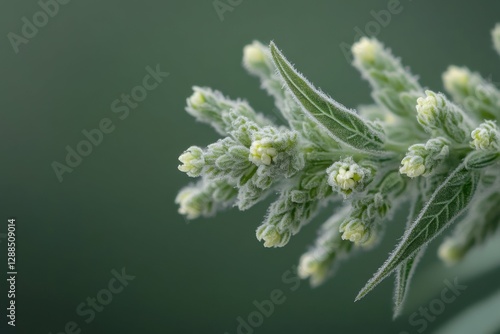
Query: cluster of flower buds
(486, 136)
(346, 176)
(326, 153)
(422, 159)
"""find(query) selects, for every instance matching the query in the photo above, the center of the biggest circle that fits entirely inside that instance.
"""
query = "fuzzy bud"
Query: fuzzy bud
(422, 159)
(310, 266)
(354, 231)
(262, 152)
(192, 161)
(271, 236)
(346, 176)
(451, 252)
(366, 50)
(485, 137)
(254, 55)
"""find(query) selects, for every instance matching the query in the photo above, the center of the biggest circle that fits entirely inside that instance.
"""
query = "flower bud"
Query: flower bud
(422, 159)
(346, 176)
(254, 55)
(311, 266)
(496, 37)
(451, 252)
(262, 152)
(188, 206)
(271, 236)
(192, 161)
(412, 166)
(485, 137)
(456, 78)
(365, 49)
(427, 108)
(355, 231)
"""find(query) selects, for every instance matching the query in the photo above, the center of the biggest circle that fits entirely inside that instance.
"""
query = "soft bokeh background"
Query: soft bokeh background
(117, 208)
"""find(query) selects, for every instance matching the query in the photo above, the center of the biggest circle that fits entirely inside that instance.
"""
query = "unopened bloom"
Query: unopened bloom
(496, 37)
(355, 231)
(192, 161)
(253, 55)
(271, 236)
(451, 251)
(311, 266)
(437, 114)
(427, 109)
(413, 166)
(486, 136)
(366, 49)
(456, 78)
(197, 99)
(187, 203)
(346, 175)
(262, 152)
(422, 159)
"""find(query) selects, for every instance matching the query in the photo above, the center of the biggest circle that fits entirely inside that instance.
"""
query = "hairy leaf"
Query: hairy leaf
(448, 201)
(404, 275)
(481, 159)
(405, 271)
(341, 123)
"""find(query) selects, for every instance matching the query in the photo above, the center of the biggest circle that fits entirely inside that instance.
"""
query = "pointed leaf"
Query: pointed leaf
(404, 275)
(448, 201)
(339, 122)
(405, 271)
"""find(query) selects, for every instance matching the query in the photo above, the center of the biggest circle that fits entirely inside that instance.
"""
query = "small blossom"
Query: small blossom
(253, 54)
(413, 166)
(310, 266)
(187, 206)
(422, 159)
(262, 152)
(197, 99)
(496, 37)
(354, 231)
(346, 175)
(451, 252)
(366, 49)
(485, 137)
(271, 236)
(456, 77)
(427, 108)
(192, 161)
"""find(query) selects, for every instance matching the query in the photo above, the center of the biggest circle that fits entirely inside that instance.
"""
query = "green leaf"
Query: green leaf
(448, 201)
(339, 122)
(404, 275)
(405, 271)
(481, 159)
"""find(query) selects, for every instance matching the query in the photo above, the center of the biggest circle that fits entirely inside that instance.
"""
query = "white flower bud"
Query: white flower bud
(192, 161)
(355, 231)
(346, 176)
(271, 236)
(485, 137)
(456, 78)
(253, 55)
(413, 166)
(262, 152)
(496, 37)
(310, 266)
(437, 114)
(187, 206)
(197, 99)
(366, 49)
(451, 252)
(427, 108)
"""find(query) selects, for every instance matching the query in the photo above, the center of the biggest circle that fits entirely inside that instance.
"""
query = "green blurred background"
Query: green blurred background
(116, 209)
